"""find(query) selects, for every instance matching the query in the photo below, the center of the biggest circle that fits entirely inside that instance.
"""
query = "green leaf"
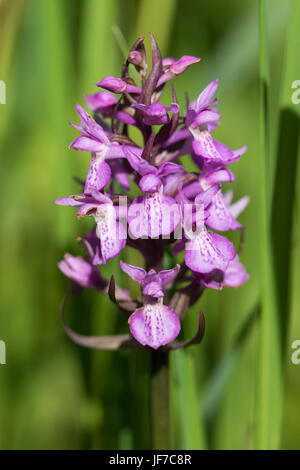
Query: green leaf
(285, 175)
(190, 423)
(269, 393)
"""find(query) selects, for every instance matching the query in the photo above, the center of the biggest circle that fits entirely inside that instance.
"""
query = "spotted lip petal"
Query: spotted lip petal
(98, 176)
(205, 147)
(220, 217)
(153, 215)
(208, 251)
(111, 233)
(154, 325)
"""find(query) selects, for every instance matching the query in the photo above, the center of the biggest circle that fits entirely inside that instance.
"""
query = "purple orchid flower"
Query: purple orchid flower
(176, 67)
(176, 207)
(86, 275)
(212, 150)
(222, 216)
(101, 102)
(82, 272)
(110, 232)
(150, 282)
(105, 103)
(94, 139)
(155, 324)
(202, 111)
(234, 276)
(156, 113)
(117, 85)
(208, 251)
(152, 214)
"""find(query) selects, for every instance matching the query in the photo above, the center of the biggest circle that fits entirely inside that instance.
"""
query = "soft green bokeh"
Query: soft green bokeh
(53, 394)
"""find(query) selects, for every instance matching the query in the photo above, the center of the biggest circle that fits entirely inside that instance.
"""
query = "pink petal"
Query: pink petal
(206, 95)
(102, 99)
(136, 273)
(219, 216)
(154, 325)
(133, 155)
(153, 215)
(235, 274)
(204, 146)
(111, 233)
(98, 176)
(219, 176)
(236, 208)
(119, 172)
(206, 116)
(86, 144)
(168, 275)
(208, 251)
(153, 289)
(150, 182)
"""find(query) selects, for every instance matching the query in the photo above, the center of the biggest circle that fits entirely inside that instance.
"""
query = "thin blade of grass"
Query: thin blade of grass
(269, 393)
(285, 175)
(11, 14)
(188, 419)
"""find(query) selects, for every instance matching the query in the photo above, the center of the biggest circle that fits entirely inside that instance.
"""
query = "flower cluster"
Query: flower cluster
(177, 210)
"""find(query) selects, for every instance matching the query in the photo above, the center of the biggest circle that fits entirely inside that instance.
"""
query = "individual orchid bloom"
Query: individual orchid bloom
(117, 85)
(135, 58)
(154, 324)
(102, 102)
(110, 232)
(144, 168)
(87, 275)
(94, 139)
(177, 67)
(221, 215)
(151, 282)
(208, 251)
(206, 180)
(212, 150)
(82, 272)
(202, 111)
(235, 275)
(156, 113)
(105, 103)
(152, 214)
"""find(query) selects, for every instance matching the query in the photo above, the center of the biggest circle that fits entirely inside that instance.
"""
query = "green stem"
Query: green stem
(159, 400)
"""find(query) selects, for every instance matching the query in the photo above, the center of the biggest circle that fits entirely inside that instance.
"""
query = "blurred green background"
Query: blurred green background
(55, 395)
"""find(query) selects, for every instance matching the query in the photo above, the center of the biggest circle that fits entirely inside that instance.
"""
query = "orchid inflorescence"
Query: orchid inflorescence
(175, 209)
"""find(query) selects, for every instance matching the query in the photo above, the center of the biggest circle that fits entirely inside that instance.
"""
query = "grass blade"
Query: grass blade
(269, 394)
(191, 434)
(286, 170)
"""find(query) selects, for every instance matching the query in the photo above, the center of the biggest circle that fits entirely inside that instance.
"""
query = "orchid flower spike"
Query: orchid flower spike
(172, 209)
